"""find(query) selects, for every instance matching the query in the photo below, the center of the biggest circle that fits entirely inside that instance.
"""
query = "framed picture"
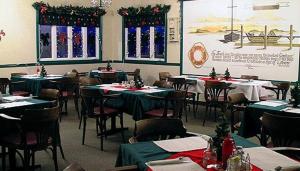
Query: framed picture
(173, 29)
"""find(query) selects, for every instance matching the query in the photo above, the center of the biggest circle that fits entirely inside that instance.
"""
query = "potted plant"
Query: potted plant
(108, 66)
(213, 73)
(227, 74)
(43, 72)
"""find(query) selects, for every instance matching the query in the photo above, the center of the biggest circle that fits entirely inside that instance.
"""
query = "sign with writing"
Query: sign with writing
(250, 37)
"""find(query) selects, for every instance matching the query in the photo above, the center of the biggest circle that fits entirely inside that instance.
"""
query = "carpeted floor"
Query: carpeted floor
(89, 155)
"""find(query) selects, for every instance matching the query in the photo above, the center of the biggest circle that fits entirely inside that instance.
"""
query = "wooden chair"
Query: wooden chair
(14, 74)
(283, 130)
(108, 78)
(162, 84)
(237, 103)
(68, 88)
(280, 88)
(4, 84)
(86, 81)
(135, 74)
(249, 77)
(158, 129)
(93, 107)
(173, 105)
(163, 76)
(183, 84)
(213, 97)
(37, 131)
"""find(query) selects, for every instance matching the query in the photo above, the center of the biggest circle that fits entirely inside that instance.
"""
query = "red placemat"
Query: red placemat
(197, 156)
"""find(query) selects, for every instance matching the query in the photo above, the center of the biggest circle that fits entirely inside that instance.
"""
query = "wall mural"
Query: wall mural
(256, 37)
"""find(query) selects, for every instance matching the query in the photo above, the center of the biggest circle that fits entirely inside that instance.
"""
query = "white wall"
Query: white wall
(18, 20)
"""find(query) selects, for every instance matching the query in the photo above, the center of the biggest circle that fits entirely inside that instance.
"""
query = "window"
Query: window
(144, 32)
(68, 43)
(68, 33)
(145, 43)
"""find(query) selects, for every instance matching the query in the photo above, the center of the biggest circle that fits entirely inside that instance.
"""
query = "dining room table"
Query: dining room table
(144, 154)
(133, 100)
(251, 123)
(34, 83)
(252, 89)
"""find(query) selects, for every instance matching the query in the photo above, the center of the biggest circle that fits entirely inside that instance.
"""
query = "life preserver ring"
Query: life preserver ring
(198, 63)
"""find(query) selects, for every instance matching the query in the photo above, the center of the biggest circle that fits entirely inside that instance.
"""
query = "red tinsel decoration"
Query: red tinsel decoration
(43, 9)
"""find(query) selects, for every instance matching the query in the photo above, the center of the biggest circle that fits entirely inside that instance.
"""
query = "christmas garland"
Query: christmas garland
(68, 15)
(150, 16)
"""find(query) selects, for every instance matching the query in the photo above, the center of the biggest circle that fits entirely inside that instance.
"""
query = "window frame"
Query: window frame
(151, 60)
(70, 60)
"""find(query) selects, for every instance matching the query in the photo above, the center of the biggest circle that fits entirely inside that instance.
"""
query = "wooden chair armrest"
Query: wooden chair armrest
(2, 115)
(125, 168)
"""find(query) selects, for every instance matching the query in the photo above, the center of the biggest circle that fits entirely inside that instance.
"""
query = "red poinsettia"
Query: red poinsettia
(156, 10)
(62, 37)
(77, 39)
(43, 9)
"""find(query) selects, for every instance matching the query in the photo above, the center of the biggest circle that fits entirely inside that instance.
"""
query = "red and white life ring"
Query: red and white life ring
(198, 47)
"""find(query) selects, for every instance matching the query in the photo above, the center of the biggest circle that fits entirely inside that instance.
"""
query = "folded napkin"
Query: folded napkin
(181, 163)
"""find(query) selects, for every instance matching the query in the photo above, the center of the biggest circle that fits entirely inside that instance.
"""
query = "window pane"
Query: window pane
(159, 41)
(132, 42)
(62, 41)
(77, 42)
(45, 41)
(91, 41)
(145, 42)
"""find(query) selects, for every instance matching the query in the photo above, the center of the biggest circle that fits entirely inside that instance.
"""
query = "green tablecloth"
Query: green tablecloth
(33, 85)
(135, 102)
(121, 75)
(140, 153)
(251, 124)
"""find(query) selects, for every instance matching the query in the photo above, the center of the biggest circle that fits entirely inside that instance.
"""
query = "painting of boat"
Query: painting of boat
(266, 7)
(232, 36)
(271, 37)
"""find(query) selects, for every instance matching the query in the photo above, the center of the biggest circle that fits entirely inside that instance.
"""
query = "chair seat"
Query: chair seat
(159, 112)
(20, 93)
(107, 111)
(190, 94)
(15, 139)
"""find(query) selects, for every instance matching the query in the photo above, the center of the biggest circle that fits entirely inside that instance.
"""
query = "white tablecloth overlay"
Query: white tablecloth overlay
(252, 90)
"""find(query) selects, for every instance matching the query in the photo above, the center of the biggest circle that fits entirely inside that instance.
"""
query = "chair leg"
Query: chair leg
(26, 159)
(33, 159)
(122, 127)
(76, 106)
(101, 133)
(3, 151)
(54, 156)
(194, 106)
(97, 126)
(205, 114)
(80, 121)
(66, 106)
(62, 151)
(84, 127)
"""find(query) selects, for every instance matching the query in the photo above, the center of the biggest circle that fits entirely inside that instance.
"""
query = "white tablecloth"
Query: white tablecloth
(252, 90)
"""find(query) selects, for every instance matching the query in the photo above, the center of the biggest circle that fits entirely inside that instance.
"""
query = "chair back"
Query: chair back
(178, 83)
(4, 82)
(237, 98)
(159, 129)
(248, 77)
(89, 98)
(18, 74)
(42, 124)
(86, 81)
(164, 75)
(108, 77)
(284, 130)
(213, 90)
(283, 88)
(50, 95)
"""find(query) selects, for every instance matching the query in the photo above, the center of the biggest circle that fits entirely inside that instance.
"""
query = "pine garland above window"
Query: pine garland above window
(68, 15)
(150, 16)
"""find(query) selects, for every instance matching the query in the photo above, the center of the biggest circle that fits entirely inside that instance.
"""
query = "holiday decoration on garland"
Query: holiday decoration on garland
(43, 72)
(213, 73)
(222, 131)
(68, 15)
(227, 74)
(2, 33)
(150, 16)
